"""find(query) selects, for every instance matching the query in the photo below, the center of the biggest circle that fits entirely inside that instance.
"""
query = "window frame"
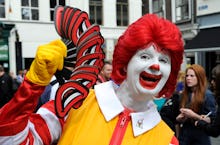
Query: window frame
(30, 9)
(161, 12)
(2, 6)
(95, 5)
(53, 9)
(188, 14)
(121, 20)
(145, 7)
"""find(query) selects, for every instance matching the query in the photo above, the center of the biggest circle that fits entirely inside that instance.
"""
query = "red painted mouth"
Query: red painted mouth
(149, 81)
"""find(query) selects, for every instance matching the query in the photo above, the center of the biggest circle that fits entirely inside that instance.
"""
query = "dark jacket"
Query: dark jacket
(189, 133)
(170, 111)
(212, 129)
(6, 89)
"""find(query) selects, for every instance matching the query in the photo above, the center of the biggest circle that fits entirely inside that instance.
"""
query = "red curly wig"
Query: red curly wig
(149, 29)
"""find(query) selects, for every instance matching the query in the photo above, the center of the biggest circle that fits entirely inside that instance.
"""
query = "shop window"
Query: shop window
(53, 4)
(29, 10)
(183, 10)
(95, 11)
(122, 12)
(2, 8)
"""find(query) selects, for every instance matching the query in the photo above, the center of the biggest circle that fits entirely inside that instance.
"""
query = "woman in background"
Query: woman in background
(196, 100)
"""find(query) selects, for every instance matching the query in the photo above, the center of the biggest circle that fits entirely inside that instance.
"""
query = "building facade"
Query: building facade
(26, 24)
(204, 48)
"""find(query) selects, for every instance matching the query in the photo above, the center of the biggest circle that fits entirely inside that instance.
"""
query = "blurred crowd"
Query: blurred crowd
(9, 83)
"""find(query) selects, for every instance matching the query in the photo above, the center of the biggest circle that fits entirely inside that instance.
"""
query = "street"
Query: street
(215, 141)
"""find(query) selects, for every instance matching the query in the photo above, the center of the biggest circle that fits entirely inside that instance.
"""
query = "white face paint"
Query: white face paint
(147, 72)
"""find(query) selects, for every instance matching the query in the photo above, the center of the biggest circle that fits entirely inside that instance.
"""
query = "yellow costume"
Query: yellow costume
(87, 125)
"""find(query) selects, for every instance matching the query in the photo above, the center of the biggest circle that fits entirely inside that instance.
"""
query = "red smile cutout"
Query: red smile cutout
(149, 81)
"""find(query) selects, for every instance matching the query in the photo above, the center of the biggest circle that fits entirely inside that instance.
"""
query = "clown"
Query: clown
(146, 62)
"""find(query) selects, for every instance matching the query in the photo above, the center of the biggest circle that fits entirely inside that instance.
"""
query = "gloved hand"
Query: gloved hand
(49, 58)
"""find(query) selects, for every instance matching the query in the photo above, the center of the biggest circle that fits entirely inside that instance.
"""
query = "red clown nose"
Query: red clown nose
(155, 67)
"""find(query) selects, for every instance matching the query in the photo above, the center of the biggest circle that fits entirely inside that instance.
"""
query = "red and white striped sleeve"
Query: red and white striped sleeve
(20, 126)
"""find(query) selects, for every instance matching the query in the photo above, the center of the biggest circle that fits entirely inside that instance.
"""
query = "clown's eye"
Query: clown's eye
(145, 56)
(164, 60)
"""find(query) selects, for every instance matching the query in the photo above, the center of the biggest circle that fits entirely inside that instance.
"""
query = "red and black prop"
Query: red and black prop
(84, 54)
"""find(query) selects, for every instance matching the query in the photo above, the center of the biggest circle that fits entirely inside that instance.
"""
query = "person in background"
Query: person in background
(213, 128)
(213, 78)
(169, 110)
(169, 107)
(49, 92)
(195, 101)
(6, 87)
(146, 62)
(105, 73)
(16, 84)
(180, 82)
(20, 76)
